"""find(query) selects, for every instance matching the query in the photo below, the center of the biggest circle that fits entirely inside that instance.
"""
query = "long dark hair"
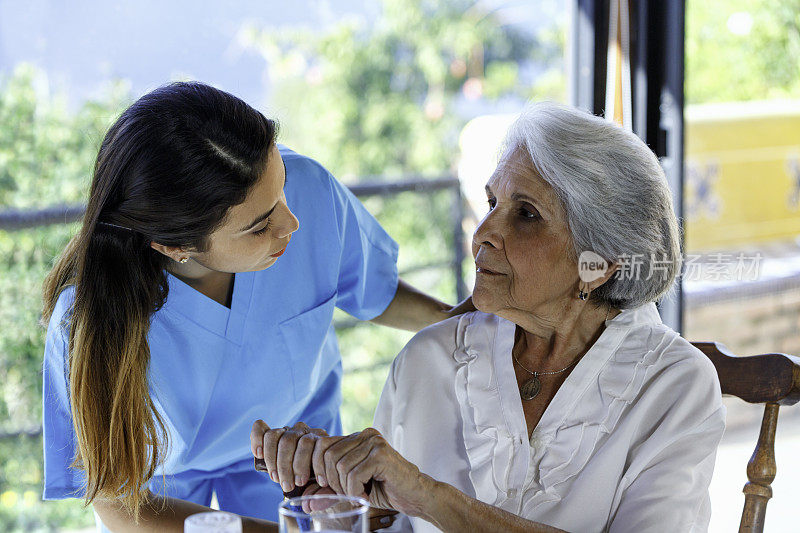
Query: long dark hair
(168, 171)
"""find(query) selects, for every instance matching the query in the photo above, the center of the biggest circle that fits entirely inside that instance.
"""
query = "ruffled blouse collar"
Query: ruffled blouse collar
(494, 429)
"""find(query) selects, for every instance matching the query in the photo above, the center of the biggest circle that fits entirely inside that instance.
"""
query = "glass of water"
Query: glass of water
(329, 513)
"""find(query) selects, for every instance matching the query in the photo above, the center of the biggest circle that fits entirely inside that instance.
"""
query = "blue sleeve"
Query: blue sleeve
(60, 479)
(368, 263)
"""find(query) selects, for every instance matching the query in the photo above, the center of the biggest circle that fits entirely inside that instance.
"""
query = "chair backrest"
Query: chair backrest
(774, 380)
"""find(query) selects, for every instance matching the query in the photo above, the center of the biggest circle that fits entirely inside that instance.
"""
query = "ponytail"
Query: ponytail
(119, 282)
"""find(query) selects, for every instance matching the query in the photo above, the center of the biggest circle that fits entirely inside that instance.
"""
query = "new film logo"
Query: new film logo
(591, 266)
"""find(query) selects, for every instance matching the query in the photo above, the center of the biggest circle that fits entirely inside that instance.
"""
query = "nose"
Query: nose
(488, 232)
(289, 223)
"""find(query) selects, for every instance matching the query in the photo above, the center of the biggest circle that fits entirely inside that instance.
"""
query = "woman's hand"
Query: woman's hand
(348, 464)
(345, 464)
(286, 452)
(412, 309)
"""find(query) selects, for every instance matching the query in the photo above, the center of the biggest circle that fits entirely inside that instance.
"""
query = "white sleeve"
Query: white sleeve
(384, 422)
(671, 494)
(384, 417)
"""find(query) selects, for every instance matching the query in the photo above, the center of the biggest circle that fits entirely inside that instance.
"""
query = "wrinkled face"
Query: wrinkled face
(523, 248)
(257, 231)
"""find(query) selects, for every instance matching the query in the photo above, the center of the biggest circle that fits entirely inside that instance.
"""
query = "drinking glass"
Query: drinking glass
(329, 513)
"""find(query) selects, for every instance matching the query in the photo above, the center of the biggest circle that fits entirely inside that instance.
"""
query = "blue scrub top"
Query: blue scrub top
(272, 355)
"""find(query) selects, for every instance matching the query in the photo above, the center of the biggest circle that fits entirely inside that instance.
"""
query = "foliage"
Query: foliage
(383, 97)
(367, 350)
(741, 50)
(46, 156)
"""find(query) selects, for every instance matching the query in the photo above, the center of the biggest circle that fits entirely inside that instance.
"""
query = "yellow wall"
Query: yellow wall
(742, 174)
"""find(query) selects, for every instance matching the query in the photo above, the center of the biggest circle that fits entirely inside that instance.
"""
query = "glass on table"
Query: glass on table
(329, 513)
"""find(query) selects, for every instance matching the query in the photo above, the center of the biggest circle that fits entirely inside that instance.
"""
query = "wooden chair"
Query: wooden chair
(774, 380)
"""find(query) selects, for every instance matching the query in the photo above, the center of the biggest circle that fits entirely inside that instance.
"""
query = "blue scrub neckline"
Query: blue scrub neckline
(209, 314)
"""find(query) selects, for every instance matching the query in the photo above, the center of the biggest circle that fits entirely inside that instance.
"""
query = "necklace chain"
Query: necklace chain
(542, 373)
(535, 374)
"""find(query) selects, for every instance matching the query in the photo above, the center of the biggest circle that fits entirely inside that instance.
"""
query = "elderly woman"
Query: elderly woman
(563, 402)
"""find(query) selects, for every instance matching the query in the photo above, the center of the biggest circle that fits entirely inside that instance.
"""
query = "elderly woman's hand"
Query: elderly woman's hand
(344, 464)
(289, 456)
(348, 464)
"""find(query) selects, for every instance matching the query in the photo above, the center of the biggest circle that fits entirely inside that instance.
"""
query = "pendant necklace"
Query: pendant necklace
(531, 388)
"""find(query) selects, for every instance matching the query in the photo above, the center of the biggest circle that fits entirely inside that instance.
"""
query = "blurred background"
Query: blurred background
(406, 101)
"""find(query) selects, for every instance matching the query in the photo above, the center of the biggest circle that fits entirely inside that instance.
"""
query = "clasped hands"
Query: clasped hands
(342, 465)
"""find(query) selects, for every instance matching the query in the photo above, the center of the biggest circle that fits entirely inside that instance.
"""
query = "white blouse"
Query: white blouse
(627, 443)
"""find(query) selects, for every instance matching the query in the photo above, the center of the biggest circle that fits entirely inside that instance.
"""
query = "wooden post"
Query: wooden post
(760, 473)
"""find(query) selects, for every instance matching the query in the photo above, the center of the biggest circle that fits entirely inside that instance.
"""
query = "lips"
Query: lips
(280, 252)
(484, 264)
(487, 271)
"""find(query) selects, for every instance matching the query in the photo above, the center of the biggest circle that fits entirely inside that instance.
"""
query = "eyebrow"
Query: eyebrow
(519, 197)
(262, 218)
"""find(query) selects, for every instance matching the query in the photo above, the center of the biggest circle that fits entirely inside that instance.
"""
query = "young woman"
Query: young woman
(198, 296)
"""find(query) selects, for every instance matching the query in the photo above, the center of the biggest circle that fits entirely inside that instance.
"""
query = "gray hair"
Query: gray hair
(615, 194)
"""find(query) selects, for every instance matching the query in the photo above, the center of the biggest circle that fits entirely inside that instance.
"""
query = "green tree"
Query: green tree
(379, 97)
(46, 157)
(739, 50)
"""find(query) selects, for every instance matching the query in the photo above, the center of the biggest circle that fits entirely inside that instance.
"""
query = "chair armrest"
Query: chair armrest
(773, 377)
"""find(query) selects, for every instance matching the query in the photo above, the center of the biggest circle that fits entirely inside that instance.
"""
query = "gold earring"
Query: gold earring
(183, 260)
